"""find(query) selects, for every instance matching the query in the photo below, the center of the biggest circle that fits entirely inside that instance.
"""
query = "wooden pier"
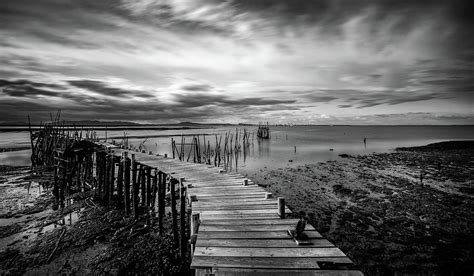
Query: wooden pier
(236, 228)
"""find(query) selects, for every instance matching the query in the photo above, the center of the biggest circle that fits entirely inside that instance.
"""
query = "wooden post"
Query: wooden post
(61, 185)
(121, 166)
(143, 185)
(182, 220)
(106, 176)
(181, 186)
(281, 207)
(134, 187)
(148, 186)
(194, 230)
(173, 211)
(112, 176)
(127, 164)
(154, 190)
(161, 199)
(56, 187)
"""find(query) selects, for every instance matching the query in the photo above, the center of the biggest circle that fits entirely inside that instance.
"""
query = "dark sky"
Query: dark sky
(292, 61)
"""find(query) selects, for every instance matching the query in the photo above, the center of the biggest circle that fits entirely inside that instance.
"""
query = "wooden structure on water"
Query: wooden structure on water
(222, 152)
(263, 131)
(235, 226)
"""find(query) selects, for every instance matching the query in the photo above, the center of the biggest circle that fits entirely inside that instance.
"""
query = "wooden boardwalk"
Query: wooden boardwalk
(240, 231)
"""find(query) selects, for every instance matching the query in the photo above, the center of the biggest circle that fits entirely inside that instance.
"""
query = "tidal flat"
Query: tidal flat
(378, 210)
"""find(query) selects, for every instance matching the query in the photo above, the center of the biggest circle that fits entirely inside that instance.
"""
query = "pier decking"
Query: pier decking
(240, 231)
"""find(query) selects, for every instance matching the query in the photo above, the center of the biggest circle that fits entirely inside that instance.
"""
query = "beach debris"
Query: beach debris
(56, 246)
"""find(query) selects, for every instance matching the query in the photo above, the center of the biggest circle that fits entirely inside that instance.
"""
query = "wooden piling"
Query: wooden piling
(56, 188)
(182, 220)
(121, 166)
(143, 185)
(281, 207)
(106, 173)
(148, 187)
(161, 199)
(174, 211)
(194, 227)
(134, 187)
(154, 190)
(127, 164)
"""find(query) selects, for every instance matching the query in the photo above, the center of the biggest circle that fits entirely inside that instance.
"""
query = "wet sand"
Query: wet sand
(376, 209)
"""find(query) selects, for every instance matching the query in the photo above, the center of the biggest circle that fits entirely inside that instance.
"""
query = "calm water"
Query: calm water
(313, 143)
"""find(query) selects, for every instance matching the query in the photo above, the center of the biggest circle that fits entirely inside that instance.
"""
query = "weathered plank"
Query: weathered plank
(298, 252)
(283, 272)
(252, 235)
(239, 212)
(260, 243)
(278, 227)
(239, 217)
(253, 222)
(238, 207)
(258, 262)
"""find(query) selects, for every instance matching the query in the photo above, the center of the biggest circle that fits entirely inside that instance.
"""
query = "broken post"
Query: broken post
(281, 207)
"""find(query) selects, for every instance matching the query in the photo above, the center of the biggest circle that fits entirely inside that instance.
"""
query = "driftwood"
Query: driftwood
(57, 245)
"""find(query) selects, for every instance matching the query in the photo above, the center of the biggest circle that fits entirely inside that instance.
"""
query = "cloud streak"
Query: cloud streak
(280, 59)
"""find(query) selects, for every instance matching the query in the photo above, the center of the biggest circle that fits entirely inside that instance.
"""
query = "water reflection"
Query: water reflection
(313, 143)
(263, 148)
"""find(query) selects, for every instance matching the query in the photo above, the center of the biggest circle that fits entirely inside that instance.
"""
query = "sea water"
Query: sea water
(288, 145)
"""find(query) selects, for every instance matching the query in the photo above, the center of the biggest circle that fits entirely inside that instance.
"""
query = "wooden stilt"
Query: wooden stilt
(127, 164)
(174, 211)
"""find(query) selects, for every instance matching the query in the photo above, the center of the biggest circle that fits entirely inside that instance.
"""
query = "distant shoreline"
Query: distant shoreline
(26, 128)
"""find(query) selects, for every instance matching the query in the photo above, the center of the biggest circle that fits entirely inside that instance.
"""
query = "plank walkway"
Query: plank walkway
(240, 232)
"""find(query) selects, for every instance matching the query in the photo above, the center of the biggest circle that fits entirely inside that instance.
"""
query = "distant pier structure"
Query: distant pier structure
(263, 131)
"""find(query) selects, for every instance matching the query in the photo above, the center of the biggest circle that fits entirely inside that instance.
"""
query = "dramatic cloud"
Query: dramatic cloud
(290, 61)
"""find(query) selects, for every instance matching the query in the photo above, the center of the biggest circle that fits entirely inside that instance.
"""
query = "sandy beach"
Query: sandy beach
(375, 208)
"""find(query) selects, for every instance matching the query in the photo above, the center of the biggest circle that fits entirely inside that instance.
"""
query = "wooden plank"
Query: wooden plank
(252, 235)
(239, 217)
(278, 227)
(297, 252)
(237, 212)
(260, 243)
(211, 200)
(247, 221)
(282, 272)
(216, 189)
(229, 193)
(238, 207)
(259, 263)
(271, 263)
(259, 201)
(227, 197)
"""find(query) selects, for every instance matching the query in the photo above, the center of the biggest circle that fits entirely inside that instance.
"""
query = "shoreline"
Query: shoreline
(375, 209)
